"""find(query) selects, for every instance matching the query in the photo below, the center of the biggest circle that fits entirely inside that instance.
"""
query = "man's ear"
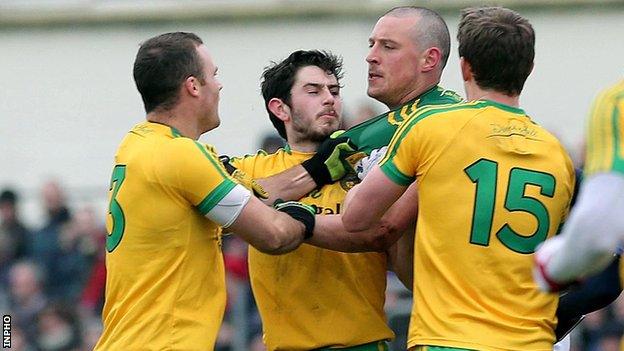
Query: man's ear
(279, 109)
(191, 86)
(432, 58)
(466, 69)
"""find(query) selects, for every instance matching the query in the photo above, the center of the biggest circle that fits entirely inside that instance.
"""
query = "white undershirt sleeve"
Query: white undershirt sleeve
(593, 231)
(230, 207)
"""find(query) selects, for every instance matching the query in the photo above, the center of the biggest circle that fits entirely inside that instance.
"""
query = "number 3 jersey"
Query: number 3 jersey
(492, 185)
(165, 286)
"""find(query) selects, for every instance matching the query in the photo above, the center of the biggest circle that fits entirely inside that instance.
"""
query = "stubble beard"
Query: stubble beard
(308, 133)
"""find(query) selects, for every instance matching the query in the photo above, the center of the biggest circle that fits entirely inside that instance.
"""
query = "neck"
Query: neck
(175, 119)
(303, 145)
(476, 93)
(419, 89)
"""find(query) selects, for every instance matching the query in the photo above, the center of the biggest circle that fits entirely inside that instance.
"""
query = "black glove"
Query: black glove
(243, 178)
(329, 164)
(301, 212)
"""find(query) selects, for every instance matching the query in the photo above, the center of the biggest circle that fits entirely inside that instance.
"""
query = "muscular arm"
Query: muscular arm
(291, 184)
(330, 232)
(591, 234)
(266, 229)
(401, 257)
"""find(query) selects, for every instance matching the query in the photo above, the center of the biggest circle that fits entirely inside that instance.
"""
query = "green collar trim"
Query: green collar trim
(504, 107)
(176, 133)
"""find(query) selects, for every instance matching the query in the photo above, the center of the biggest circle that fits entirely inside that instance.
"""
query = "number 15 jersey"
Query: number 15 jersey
(492, 186)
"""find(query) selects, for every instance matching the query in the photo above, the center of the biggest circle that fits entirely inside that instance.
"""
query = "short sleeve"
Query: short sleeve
(399, 164)
(605, 135)
(194, 171)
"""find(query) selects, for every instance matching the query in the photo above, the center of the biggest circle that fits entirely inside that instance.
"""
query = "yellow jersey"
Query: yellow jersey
(605, 136)
(312, 297)
(605, 133)
(165, 285)
(492, 185)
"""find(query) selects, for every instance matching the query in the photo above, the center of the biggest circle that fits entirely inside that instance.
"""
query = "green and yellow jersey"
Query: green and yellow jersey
(165, 287)
(605, 133)
(492, 185)
(605, 136)
(377, 131)
(312, 297)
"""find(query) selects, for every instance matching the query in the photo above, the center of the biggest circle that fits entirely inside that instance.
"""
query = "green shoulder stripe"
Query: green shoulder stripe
(214, 162)
(260, 152)
(618, 162)
(422, 114)
(216, 195)
(395, 175)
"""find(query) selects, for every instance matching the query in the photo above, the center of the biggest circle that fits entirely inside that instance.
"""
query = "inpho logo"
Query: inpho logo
(6, 332)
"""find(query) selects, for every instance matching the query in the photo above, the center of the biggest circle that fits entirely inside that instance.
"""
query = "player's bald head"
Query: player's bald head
(430, 30)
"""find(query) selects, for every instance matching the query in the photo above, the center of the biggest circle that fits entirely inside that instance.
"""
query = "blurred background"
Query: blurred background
(67, 98)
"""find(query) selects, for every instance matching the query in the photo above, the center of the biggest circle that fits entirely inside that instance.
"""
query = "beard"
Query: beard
(308, 132)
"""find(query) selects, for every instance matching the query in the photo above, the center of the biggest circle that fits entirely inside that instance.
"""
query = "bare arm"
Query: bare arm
(266, 229)
(374, 197)
(401, 257)
(330, 232)
(291, 184)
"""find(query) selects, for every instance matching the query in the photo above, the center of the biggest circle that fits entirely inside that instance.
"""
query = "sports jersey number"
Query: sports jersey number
(119, 221)
(484, 174)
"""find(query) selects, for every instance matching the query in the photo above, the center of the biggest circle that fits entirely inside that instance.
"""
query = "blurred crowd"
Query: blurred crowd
(52, 280)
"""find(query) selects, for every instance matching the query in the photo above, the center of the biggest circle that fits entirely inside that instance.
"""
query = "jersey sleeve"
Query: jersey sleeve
(193, 170)
(248, 163)
(605, 135)
(400, 162)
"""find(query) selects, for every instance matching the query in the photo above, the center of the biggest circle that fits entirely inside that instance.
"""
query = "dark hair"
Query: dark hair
(8, 196)
(278, 78)
(499, 45)
(430, 31)
(162, 64)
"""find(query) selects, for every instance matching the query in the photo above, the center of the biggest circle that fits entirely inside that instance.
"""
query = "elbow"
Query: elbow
(379, 240)
(352, 224)
(279, 241)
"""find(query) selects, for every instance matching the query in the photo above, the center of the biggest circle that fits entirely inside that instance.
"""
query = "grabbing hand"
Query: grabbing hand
(329, 164)
(301, 212)
(243, 178)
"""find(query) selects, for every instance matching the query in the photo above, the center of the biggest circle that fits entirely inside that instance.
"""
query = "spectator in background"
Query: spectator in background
(77, 245)
(13, 234)
(94, 247)
(58, 329)
(271, 143)
(19, 341)
(45, 245)
(26, 297)
(364, 111)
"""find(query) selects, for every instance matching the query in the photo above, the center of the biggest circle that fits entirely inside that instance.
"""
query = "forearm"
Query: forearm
(267, 230)
(593, 231)
(291, 184)
(329, 233)
(401, 257)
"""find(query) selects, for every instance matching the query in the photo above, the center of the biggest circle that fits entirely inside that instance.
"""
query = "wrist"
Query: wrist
(318, 173)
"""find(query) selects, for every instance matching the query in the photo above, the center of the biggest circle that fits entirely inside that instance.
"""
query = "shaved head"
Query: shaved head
(430, 31)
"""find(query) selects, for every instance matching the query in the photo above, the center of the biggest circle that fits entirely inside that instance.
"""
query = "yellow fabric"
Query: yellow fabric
(165, 287)
(311, 297)
(469, 294)
(605, 132)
